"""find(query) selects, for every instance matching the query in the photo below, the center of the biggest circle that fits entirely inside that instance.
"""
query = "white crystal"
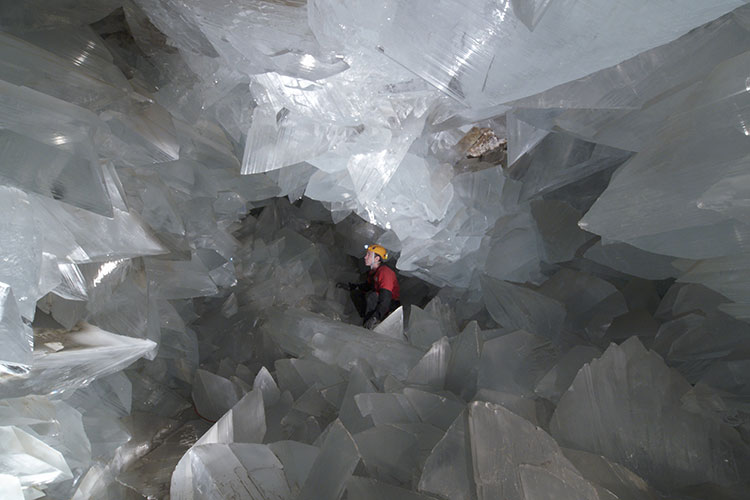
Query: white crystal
(461, 56)
(446, 471)
(702, 229)
(297, 459)
(515, 362)
(88, 352)
(432, 368)
(300, 333)
(213, 395)
(517, 307)
(333, 466)
(18, 338)
(503, 444)
(646, 445)
(30, 459)
(10, 487)
(219, 470)
(245, 422)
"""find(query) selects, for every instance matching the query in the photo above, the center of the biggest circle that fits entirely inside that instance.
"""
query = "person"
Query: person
(382, 295)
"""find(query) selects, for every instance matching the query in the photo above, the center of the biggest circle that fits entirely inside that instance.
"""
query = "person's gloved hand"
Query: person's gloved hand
(345, 286)
(371, 322)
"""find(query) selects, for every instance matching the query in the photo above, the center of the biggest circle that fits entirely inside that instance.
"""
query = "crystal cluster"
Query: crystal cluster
(560, 183)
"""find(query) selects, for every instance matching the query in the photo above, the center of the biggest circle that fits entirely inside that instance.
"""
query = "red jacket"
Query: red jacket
(383, 278)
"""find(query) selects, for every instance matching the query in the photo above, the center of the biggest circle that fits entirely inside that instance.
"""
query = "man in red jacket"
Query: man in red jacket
(382, 295)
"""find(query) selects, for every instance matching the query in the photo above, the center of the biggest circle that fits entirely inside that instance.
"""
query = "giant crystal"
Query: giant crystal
(126, 130)
(671, 447)
(470, 59)
(672, 172)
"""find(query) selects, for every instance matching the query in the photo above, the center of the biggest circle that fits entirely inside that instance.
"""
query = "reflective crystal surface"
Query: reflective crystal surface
(646, 445)
(188, 189)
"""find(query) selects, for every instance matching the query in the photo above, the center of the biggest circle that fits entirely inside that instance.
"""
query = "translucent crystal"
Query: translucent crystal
(349, 413)
(669, 331)
(713, 274)
(314, 404)
(461, 60)
(558, 379)
(31, 460)
(704, 228)
(431, 369)
(119, 299)
(447, 472)
(515, 306)
(18, 338)
(428, 325)
(729, 376)
(559, 235)
(186, 278)
(218, 470)
(461, 377)
(632, 260)
(559, 160)
(646, 77)
(150, 133)
(299, 375)
(48, 150)
(150, 476)
(300, 333)
(438, 410)
(213, 395)
(72, 285)
(530, 12)
(388, 453)
(521, 137)
(535, 410)
(165, 103)
(54, 423)
(694, 349)
(297, 459)
(334, 465)
(93, 85)
(86, 353)
(158, 208)
(10, 487)
(265, 383)
(647, 444)
(280, 139)
(514, 250)
(68, 233)
(419, 187)
(386, 408)
(502, 444)
(610, 475)
(153, 397)
(684, 298)
(393, 325)
(244, 423)
(539, 481)
(591, 302)
(515, 362)
(21, 267)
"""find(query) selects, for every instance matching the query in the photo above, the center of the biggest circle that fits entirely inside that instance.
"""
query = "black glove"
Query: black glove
(346, 286)
(371, 322)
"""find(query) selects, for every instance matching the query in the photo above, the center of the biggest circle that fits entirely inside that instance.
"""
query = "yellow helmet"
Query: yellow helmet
(377, 250)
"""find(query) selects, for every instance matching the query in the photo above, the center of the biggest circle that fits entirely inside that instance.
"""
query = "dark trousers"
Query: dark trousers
(366, 302)
(371, 302)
